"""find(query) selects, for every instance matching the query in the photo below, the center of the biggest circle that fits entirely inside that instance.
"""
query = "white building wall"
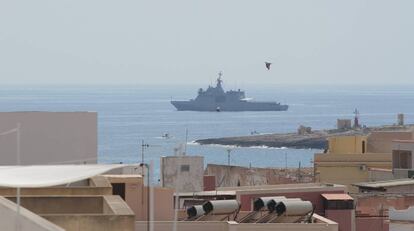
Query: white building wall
(401, 215)
(184, 173)
(401, 220)
(48, 137)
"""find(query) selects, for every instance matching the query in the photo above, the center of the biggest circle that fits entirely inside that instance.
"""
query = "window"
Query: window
(185, 168)
(363, 146)
(118, 189)
(339, 205)
(401, 159)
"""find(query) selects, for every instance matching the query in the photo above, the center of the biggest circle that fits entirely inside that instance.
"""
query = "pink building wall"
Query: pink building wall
(209, 183)
(372, 224)
(344, 218)
(163, 204)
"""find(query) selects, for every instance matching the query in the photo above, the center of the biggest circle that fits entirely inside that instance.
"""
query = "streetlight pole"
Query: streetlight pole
(143, 165)
(186, 141)
(143, 147)
(228, 156)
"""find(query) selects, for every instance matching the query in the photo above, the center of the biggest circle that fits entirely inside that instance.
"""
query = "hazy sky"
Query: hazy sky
(177, 41)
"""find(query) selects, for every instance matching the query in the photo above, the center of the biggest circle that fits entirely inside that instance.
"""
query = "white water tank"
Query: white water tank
(294, 208)
(221, 206)
(195, 211)
(271, 204)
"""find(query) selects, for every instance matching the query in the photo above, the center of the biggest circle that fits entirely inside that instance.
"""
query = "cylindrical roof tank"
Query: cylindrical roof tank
(221, 206)
(195, 211)
(271, 204)
(294, 208)
(261, 202)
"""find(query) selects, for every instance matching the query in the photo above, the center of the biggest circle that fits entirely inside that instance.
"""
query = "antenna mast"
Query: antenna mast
(186, 141)
(356, 119)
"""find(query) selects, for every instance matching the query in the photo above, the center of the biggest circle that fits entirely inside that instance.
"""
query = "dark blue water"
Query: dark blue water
(128, 114)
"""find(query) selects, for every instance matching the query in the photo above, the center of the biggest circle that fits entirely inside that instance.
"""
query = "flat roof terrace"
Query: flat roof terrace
(98, 185)
(74, 213)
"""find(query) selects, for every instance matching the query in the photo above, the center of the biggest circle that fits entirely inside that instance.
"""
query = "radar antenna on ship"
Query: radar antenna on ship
(219, 80)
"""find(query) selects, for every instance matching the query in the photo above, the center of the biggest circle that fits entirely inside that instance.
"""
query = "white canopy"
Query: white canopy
(37, 176)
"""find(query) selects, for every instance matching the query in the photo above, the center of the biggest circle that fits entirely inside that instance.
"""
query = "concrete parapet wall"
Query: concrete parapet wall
(27, 220)
(62, 204)
(92, 222)
(97, 185)
(58, 191)
(115, 215)
(184, 226)
(90, 213)
(322, 224)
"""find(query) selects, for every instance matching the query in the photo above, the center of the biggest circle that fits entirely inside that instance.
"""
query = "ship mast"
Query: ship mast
(219, 81)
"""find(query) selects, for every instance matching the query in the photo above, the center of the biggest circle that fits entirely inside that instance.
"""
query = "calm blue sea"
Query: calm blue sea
(129, 114)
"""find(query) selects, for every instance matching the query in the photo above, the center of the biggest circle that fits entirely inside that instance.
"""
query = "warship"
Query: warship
(216, 99)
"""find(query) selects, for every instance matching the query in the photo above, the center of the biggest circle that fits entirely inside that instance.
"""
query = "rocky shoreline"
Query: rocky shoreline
(314, 140)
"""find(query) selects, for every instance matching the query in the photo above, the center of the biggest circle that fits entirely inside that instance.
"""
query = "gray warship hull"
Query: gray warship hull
(233, 106)
(216, 99)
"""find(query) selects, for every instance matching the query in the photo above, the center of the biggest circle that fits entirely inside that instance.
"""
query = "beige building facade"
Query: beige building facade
(30, 138)
(353, 159)
(182, 173)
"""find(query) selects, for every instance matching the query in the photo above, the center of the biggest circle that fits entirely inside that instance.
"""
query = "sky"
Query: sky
(190, 41)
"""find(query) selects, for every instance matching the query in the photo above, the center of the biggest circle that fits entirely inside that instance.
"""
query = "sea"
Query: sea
(131, 114)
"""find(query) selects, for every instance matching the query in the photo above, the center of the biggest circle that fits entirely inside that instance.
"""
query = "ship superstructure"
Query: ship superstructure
(216, 99)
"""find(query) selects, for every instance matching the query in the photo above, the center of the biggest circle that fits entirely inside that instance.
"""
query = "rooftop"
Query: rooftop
(207, 193)
(336, 196)
(281, 187)
(404, 141)
(380, 169)
(124, 178)
(384, 184)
